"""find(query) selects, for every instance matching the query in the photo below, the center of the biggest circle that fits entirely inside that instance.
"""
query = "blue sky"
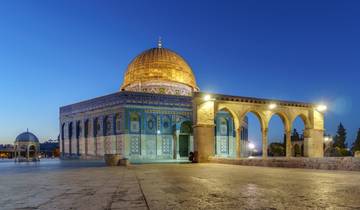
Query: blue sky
(54, 53)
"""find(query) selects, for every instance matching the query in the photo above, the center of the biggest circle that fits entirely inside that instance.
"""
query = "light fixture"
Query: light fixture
(251, 146)
(158, 131)
(272, 106)
(321, 108)
(327, 138)
(207, 97)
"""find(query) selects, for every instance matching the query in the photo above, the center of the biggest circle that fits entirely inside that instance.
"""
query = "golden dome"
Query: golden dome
(159, 65)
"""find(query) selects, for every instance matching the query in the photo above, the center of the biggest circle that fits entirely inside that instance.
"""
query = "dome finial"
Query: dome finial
(159, 42)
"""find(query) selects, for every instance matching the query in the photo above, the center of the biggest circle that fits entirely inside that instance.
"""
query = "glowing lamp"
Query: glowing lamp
(272, 106)
(207, 97)
(321, 108)
(251, 146)
(327, 139)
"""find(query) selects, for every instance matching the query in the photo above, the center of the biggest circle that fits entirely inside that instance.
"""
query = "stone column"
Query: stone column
(204, 136)
(175, 150)
(313, 143)
(204, 133)
(238, 143)
(28, 152)
(264, 133)
(288, 143)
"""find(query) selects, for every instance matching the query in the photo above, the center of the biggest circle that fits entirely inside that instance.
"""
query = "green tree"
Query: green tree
(340, 137)
(297, 150)
(295, 135)
(356, 144)
(276, 149)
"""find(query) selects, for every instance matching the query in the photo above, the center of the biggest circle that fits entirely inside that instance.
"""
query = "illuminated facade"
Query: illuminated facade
(159, 114)
(149, 119)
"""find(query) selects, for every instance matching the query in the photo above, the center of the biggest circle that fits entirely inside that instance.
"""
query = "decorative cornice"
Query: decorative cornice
(253, 100)
(127, 98)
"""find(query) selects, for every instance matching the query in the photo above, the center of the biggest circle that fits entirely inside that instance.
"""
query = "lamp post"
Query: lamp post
(251, 147)
(328, 141)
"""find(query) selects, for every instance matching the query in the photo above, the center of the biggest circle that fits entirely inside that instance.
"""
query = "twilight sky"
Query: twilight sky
(54, 53)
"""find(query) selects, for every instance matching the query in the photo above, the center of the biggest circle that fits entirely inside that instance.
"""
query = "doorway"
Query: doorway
(184, 145)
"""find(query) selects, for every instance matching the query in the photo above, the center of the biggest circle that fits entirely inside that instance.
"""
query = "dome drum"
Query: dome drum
(169, 88)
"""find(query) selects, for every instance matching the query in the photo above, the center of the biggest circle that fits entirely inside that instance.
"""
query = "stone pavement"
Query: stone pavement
(180, 186)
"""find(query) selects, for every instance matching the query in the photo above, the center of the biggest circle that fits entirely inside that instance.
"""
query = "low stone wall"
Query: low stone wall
(326, 163)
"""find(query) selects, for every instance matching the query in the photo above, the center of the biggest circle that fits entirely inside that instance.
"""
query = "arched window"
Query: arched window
(63, 131)
(166, 124)
(151, 123)
(186, 128)
(78, 129)
(118, 123)
(86, 128)
(223, 127)
(225, 139)
(134, 122)
(96, 127)
(63, 138)
(107, 126)
(70, 130)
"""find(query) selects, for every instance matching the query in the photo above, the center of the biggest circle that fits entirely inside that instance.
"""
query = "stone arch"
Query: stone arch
(259, 115)
(286, 133)
(284, 118)
(63, 139)
(206, 107)
(32, 151)
(304, 118)
(223, 107)
(279, 148)
(78, 135)
(86, 128)
(70, 133)
(225, 132)
(86, 135)
(96, 127)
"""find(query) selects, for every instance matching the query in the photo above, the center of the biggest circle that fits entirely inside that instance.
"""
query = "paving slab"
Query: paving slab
(179, 186)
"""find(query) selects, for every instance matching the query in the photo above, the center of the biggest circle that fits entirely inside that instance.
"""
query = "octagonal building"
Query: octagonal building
(149, 119)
